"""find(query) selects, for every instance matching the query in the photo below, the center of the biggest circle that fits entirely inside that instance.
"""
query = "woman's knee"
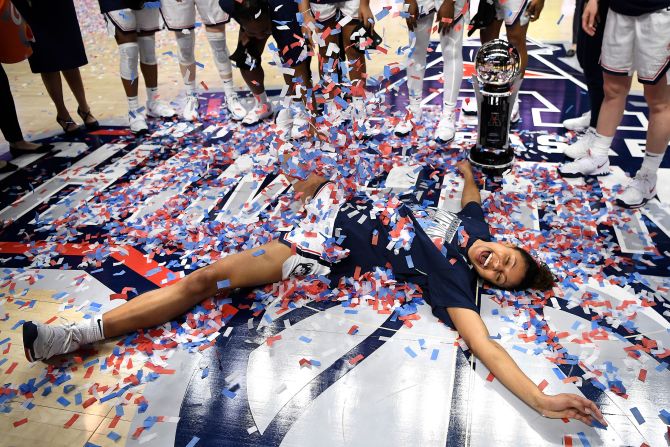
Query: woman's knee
(616, 86)
(202, 282)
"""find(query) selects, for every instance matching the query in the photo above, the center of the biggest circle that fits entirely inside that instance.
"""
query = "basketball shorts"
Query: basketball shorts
(326, 11)
(126, 20)
(512, 10)
(180, 14)
(637, 44)
(311, 238)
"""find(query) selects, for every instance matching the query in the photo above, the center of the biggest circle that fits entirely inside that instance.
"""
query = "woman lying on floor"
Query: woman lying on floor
(364, 229)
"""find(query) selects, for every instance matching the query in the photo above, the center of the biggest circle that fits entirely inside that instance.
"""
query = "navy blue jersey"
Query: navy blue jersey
(445, 274)
(638, 7)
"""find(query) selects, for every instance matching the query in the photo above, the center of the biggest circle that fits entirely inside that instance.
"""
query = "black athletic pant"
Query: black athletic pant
(588, 55)
(577, 20)
(9, 122)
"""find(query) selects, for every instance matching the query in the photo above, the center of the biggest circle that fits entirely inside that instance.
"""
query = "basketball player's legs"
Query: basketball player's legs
(658, 100)
(129, 53)
(243, 269)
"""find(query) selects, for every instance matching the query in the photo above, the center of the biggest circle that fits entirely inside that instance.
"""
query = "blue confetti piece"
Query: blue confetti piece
(153, 272)
(258, 253)
(661, 366)
(305, 339)
(4, 341)
(434, 354)
(114, 436)
(410, 263)
(229, 394)
(90, 444)
(638, 416)
(520, 349)
(78, 399)
(63, 401)
(665, 416)
(351, 311)
(409, 352)
(205, 373)
(119, 410)
(315, 362)
(194, 440)
(583, 439)
(223, 284)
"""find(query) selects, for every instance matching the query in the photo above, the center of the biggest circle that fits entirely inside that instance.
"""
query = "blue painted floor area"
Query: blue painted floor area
(299, 364)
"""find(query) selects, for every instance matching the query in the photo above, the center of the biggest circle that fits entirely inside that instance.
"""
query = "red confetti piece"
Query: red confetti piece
(543, 385)
(11, 368)
(353, 329)
(20, 422)
(490, 377)
(643, 375)
(51, 320)
(356, 359)
(71, 421)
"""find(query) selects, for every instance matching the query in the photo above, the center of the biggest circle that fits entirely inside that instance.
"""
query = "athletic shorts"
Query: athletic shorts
(287, 32)
(512, 10)
(326, 11)
(637, 44)
(180, 14)
(461, 8)
(126, 20)
(311, 237)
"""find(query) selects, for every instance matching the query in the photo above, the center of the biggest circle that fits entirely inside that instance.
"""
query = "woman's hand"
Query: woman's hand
(570, 406)
(413, 11)
(445, 16)
(534, 9)
(365, 16)
(590, 17)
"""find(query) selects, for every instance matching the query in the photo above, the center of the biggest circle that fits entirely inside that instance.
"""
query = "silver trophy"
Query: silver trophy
(497, 67)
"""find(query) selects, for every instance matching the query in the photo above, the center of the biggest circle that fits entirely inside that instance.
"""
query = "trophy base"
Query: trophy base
(491, 158)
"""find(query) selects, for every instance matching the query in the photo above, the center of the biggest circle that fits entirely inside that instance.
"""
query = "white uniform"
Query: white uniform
(147, 19)
(637, 43)
(180, 14)
(326, 11)
(451, 44)
(512, 10)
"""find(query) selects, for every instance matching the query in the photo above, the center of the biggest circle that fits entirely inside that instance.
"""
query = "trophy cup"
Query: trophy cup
(497, 76)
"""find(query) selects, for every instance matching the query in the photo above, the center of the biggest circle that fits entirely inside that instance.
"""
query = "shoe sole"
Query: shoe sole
(579, 174)
(623, 204)
(29, 337)
(151, 115)
(441, 141)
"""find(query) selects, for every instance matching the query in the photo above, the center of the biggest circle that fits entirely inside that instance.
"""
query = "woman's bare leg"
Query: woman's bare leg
(159, 306)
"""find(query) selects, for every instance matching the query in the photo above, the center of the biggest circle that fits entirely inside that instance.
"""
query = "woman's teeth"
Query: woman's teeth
(488, 259)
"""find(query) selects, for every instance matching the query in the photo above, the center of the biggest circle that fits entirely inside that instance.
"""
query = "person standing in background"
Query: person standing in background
(134, 25)
(15, 36)
(58, 48)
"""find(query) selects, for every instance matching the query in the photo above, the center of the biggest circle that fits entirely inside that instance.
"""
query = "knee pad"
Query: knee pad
(186, 45)
(128, 58)
(147, 46)
(217, 41)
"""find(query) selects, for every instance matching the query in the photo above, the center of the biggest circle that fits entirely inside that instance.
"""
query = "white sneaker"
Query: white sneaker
(190, 110)
(406, 125)
(235, 107)
(586, 166)
(516, 116)
(160, 109)
(284, 124)
(446, 128)
(469, 106)
(257, 114)
(579, 123)
(137, 121)
(41, 341)
(300, 125)
(580, 148)
(639, 191)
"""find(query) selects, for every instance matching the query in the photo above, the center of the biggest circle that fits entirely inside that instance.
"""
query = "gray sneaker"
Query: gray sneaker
(41, 341)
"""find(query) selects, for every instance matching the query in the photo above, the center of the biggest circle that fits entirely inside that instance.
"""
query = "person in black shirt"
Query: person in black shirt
(445, 256)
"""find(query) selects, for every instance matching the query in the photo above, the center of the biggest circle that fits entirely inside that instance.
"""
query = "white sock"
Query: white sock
(91, 330)
(152, 94)
(228, 88)
(190, 88)
(651, 162)
(600, 147)
(133, 103)
(261, 99)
